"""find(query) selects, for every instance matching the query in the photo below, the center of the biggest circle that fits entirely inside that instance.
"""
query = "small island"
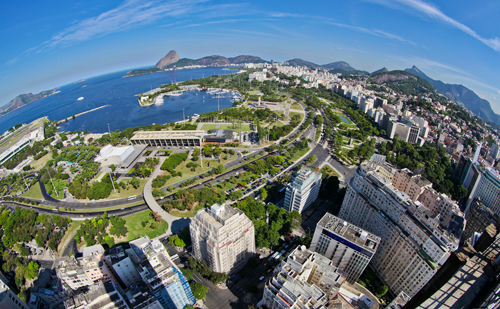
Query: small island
(142, 72)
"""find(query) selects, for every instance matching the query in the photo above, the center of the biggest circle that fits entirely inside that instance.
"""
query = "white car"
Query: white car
(261, 278)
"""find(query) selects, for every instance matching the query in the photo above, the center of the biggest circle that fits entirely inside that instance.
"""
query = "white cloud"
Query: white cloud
(130, 14)
(375, 32)
(435, 13)
(330, 21)
(216, 22)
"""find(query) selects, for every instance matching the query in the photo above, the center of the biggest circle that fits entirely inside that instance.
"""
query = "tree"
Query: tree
(199, 290)
(263, 194)
(113, 167)
(381, 291)
(134, 182)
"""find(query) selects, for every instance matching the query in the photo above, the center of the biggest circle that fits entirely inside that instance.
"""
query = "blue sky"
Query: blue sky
(50, 44)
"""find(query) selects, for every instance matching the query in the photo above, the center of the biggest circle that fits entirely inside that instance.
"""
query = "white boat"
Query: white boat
(80, 98)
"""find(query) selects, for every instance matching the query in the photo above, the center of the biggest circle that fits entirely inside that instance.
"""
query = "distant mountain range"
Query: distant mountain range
(462, 95)
(22, 100)
(457, 93)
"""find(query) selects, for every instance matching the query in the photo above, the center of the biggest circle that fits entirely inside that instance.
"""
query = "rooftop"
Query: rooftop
(169, 134)
(350, 232)
(217, 215)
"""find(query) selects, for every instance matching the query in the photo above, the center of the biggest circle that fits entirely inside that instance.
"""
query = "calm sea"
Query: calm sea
(119, 93)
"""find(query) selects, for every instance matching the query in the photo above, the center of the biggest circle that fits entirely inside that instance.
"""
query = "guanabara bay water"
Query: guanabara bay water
(119, 93)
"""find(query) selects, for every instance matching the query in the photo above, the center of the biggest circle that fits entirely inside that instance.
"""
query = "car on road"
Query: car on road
(123, 209)
(261, 278)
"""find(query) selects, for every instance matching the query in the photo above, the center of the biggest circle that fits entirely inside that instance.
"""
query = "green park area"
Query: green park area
(291, 114)
(296, 106)
(227, 126)
(38, 164)
(34, 192)
(131, 190)
(326, 170)
(209, 126)
(143, 223)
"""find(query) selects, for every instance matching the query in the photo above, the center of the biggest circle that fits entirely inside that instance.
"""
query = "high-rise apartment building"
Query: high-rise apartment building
(9, 299)
(223, 237)
(304, 279)
(160, 274)
(303, 190)
(487, 188)
(495, 151)
(349, 247)
(414, 243)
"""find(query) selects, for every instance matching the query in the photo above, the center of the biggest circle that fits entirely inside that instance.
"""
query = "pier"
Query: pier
(83, 113)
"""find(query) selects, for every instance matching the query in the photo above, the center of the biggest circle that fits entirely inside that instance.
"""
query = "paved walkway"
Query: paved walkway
(175, 224)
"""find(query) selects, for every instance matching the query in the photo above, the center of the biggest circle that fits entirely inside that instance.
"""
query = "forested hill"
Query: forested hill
(461, 94)
(403, 82)
(23, 99)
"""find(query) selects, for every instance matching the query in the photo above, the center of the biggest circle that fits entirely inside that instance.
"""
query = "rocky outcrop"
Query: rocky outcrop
(169, 58)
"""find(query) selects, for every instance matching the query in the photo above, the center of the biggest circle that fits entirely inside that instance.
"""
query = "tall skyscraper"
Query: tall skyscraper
(487, 188)
(304, 280)
(303, 190)
(495, 151)
(223, 237)
(160, 274)
(349, 247)
(413, 244)
(9, 299)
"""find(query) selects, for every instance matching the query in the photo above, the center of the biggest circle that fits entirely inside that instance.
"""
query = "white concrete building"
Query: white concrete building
(414, 244)
(349, 247)
(223, 237)
(303, 190)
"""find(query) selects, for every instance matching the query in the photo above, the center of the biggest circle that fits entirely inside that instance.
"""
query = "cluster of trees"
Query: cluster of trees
(175, 240)
(363, 151)
(23, 225)
(295, 120)
(23, 268)
(96, 230)
(160, 181)
(438, 169)
(146, 168)
(173, 161)
(277, 132)
(200, 267)
(88, 170)
(281, 222)
(190, 198)
(264, 165)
